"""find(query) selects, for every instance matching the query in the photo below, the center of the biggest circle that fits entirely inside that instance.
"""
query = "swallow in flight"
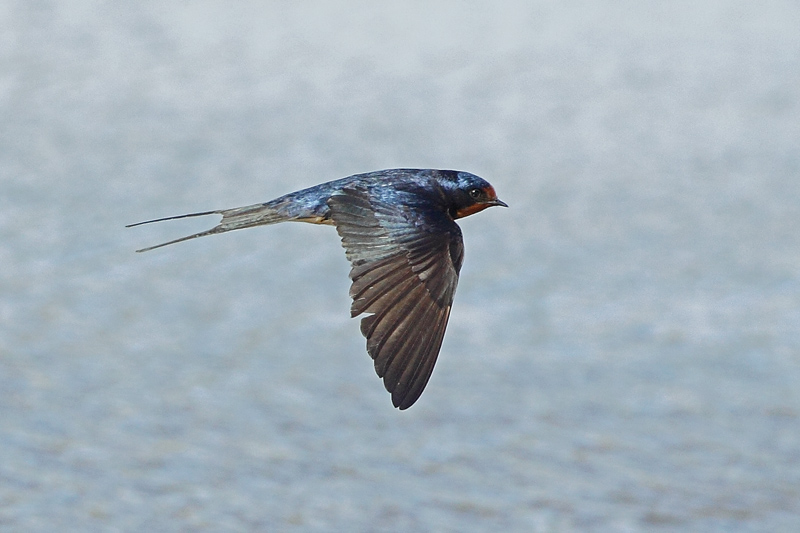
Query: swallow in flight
(399, 233)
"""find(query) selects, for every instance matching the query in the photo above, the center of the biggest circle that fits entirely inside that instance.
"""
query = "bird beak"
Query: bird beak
(499, 202)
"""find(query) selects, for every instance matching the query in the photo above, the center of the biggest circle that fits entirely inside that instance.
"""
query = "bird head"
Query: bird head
(469, 194)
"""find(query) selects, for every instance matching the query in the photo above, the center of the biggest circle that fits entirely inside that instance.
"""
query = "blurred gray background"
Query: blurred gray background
(624, 349)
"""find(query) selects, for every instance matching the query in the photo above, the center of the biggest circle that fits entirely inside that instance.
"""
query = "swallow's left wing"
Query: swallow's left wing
(405, 265)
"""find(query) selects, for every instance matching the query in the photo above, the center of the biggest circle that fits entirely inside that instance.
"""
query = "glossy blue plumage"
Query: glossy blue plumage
(399, 233)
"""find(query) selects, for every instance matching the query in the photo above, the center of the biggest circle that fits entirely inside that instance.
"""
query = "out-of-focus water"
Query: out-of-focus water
(624, 349)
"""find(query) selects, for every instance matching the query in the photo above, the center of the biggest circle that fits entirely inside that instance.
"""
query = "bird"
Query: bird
(398, 229)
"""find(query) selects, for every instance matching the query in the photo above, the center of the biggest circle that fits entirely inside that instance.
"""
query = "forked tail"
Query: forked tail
(236, 218)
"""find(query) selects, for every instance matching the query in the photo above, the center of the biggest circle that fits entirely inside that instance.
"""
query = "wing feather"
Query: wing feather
(391, 329)
(404, 273)
(370, 285)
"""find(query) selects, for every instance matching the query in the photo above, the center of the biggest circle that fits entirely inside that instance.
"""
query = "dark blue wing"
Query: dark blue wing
(405, 261)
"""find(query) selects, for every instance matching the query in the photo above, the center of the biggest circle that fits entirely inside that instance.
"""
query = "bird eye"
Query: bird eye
(475, 193)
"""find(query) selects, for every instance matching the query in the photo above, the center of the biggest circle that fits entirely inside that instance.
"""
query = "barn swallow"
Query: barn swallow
(405, 250)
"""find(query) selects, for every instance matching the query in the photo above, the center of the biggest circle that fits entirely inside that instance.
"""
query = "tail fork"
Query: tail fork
(236, 218)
